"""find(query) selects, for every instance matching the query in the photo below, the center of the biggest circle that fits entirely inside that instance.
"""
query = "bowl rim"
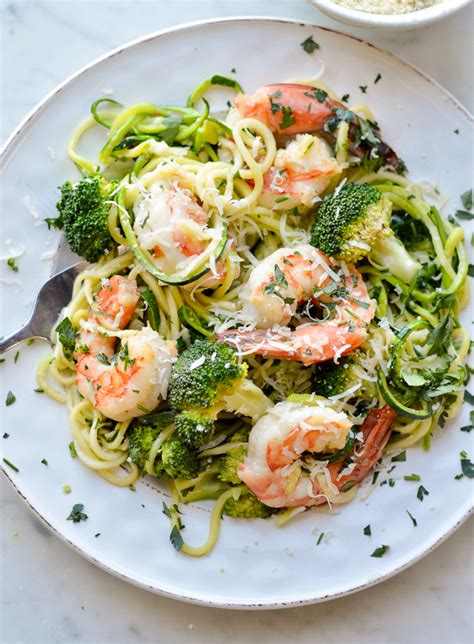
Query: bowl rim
(424, 16)
(8, 148)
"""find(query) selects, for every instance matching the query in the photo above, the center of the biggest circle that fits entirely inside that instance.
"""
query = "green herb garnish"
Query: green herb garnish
(421, 493)
(288, 119)
(309, 45)
(379, 552)
(10, 399)
(77, 513)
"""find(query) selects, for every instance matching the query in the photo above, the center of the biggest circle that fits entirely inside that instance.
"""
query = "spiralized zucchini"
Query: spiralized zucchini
(223, 166)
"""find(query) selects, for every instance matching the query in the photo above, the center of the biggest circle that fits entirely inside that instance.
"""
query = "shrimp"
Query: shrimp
(284, 280)
(289, 109)
(131, 382)
(171, 224)
(274, 470)
(301, 172)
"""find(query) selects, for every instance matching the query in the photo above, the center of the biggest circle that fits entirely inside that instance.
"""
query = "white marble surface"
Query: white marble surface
(50, 594)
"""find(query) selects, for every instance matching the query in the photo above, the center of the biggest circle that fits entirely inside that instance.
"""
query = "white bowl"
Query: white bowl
(412, 20)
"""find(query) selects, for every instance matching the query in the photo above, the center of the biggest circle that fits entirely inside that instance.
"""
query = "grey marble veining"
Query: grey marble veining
(48, 593)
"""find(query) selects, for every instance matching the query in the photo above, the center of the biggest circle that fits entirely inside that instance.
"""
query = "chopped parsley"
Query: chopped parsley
(456, 131)
(77, 513)
(464, 214)
(309, 45)
(468, 397)
(363, 89)
(377, 78)
(368, 530)
(466, 199)
(467, 467)
(72, 449)
(421, 493)
(97, 534)
(10, 399)
(5, 435)
(399, 458)
(66, 336)
(379, 552)
(44, 461)
(345, 98)
(17, 355)
(10, 464)
(11, 263)
(320, 538)
(176, 538)
(132, 487)
(412, 518)
(288, 119)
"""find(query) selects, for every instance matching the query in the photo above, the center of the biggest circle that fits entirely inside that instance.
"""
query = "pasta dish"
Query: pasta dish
(270, 305)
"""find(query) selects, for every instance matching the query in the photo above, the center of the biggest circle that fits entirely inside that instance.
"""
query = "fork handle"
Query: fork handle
(25, 333)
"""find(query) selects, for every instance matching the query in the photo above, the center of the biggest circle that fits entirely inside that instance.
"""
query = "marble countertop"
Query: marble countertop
(50, 594)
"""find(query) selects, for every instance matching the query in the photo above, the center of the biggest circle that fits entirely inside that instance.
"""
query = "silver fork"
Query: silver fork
(52, 297)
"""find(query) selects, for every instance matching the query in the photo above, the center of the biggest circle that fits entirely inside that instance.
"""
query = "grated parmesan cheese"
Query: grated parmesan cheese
(387, 6)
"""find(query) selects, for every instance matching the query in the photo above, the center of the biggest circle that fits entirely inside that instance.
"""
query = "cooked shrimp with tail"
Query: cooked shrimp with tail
(276, 469)
(290, 108)
(283, 281)
(132, 381)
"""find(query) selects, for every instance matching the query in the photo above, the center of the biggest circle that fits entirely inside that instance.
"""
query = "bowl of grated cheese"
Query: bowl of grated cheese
(388, 14)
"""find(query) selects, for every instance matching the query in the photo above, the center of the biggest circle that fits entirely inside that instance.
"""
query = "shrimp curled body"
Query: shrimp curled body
(273, 469)
(283, 281)
(131, 382)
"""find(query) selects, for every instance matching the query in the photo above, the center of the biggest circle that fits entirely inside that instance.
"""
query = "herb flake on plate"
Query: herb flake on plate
(309, 45)
(380, 551)
(10, 399)
(76, 515)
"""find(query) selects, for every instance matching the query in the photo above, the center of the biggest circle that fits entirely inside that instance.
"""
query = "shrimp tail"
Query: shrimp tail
(290, 108)
(376, 429)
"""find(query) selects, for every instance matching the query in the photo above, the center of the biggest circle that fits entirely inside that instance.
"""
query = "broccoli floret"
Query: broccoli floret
(247, 506)
(140, 443)
(331, 379)
(207, 375)
(355, 222)
(143, 433)
(178, 461)
(193, 428)
(229, 463)
(83, 216)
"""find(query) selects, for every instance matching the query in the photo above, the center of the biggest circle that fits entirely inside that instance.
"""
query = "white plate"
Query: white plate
(255, 564)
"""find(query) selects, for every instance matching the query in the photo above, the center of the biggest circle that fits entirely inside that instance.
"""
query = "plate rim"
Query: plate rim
(8, 148)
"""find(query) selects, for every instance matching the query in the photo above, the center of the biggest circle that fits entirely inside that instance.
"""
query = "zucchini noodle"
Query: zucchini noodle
(193, 205)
